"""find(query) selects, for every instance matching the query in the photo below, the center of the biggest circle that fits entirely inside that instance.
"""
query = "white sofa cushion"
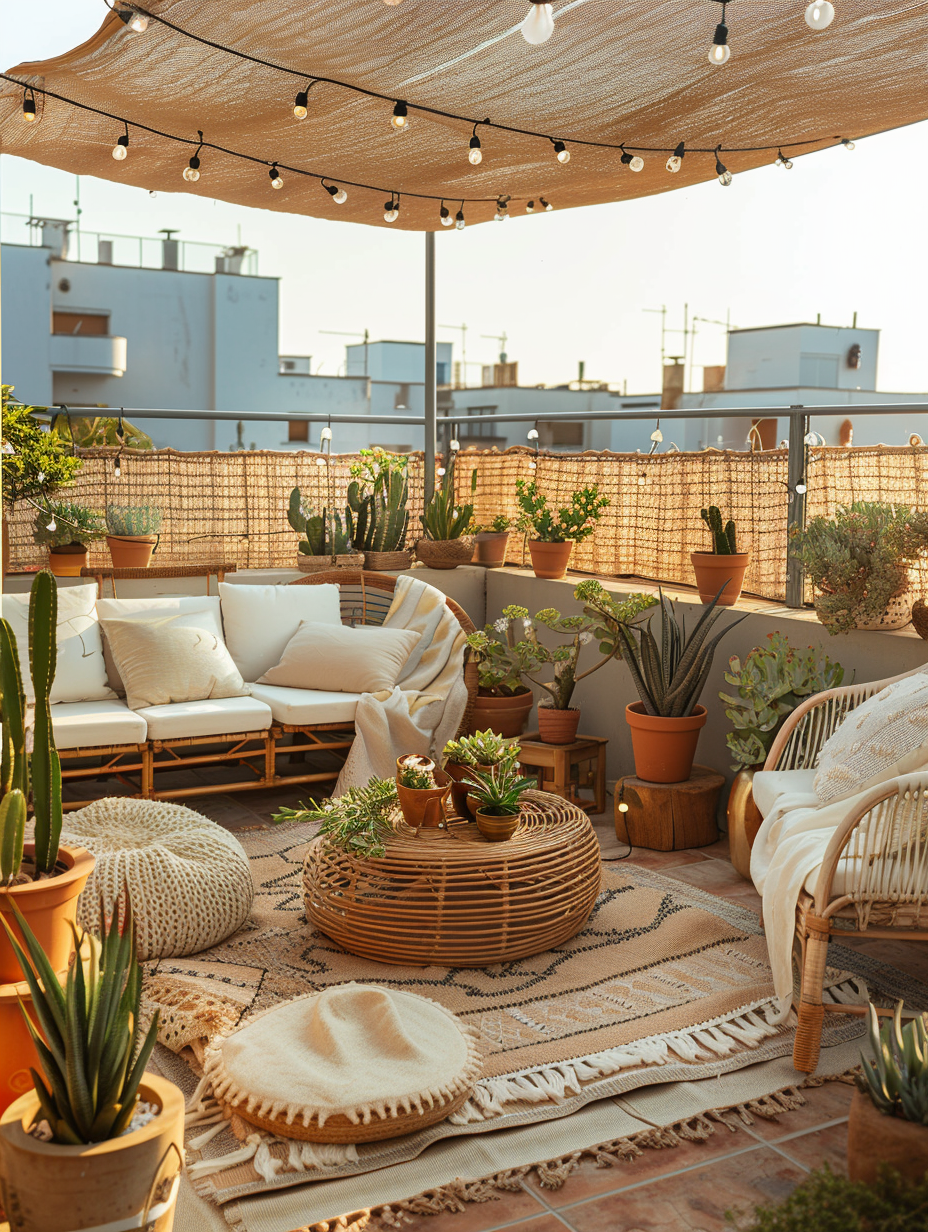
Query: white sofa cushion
(189, 611)
(80, 674)
(259, 621)
(85, 725)
(340, 659)
(303, 707)
(219, 716)
(770, 785)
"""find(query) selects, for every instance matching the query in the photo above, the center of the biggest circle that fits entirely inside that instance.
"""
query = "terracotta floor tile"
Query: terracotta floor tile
(818, 1147)
(717, 850)
(660, 861)
(829, 1102)
(541, 1223)
(519, 1208)
(716, 876)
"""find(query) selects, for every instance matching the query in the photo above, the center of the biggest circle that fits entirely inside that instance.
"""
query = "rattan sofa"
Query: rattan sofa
(251, 736)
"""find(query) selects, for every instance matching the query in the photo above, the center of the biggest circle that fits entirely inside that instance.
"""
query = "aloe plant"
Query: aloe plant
(88, 1034)
(442, 518)
(498, 789)
(133, 519)
(323, 534)
(896, 1076)
(723, 534)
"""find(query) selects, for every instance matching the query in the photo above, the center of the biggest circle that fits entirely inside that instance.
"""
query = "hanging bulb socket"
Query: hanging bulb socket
(276, 181)
(720, 52)
(538, 25)
(725, 176)
(338, 195)
(475, 156)
(530, 207)
(391, 210)
(562, 152)
(502, 209)
(117, 468)
(445, 216)
(301, 105)
(546, 204)
(847, 143)
(783, 161)
(400, 119)
(634, 162)
(30, 113)
(137, 22)
(459, 219)
(192, 170)
(121, 148)
(675, 161)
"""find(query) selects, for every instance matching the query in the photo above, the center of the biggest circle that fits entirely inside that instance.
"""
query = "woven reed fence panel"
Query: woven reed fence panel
(233, 506)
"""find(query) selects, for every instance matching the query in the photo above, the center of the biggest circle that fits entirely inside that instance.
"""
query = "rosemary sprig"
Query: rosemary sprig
(358, 821)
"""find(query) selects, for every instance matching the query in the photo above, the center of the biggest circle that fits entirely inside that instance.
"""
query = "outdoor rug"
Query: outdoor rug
(665, 984)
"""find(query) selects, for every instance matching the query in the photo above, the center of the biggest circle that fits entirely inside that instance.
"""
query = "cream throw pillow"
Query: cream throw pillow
(338, 659)
(192, 611)
(161, 661)
(885, 736)
(80, 674)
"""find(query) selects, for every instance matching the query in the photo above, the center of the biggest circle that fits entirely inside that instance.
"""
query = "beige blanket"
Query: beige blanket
(424, 710)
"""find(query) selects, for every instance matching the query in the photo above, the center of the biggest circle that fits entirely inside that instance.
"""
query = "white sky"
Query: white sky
(841, 232)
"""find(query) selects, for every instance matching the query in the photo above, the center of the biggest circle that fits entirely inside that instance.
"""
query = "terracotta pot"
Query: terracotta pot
(490, 548)
(445, 553)
(558, 726)
(496, 829)
(874, 1139)
(549, 560)
(131, 551)
(744, 820)
(48, 906)
(67, 561)
(423, 808)
(664, 749)
(459, 788)
(105, 1185)
(713, 572)
(506, 716)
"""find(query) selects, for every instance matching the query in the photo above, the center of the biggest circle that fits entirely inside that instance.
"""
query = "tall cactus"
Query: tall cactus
(14, 765)
(378, 519)
(46, 768)
(322, 535)
(723, 535)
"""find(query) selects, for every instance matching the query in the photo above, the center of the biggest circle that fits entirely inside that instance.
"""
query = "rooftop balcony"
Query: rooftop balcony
(100, 354)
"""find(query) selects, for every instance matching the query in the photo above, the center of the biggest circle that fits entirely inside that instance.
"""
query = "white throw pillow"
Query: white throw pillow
(338, 659)
(188, 611)
(885, 736)
(80, 674)
(259, 621)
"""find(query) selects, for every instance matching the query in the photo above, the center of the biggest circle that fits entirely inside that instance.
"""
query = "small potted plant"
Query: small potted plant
(491, 541)
(554, 536)
(503, 703)
(765, 689)
(421, 789)
(132, 534)
(481, 751)
(859, 561)
(325, 543)
(67, 528)
(888, 1120)
(721, 571)
(497, 795)
(447, 542)
(377, 513)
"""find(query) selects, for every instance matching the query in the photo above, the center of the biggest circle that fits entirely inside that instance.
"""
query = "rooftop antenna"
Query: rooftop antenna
(502, 339)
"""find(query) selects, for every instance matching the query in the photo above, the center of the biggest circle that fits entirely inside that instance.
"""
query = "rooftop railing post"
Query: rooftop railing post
(431, 386)
(796, 507)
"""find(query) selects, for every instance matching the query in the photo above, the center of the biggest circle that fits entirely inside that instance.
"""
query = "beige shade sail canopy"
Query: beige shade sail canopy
(612, 72)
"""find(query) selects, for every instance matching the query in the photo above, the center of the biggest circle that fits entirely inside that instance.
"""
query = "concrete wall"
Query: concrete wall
(25, 361)
(791, 355)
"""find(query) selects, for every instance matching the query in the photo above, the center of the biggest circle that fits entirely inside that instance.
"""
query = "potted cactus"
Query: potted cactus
(496, 795)
(721, 571)
(325, 543)
(133, 532)
(481, 751)
(554, 536)
(67, 528)
(377, 513)
(491, 541)
(447, 543)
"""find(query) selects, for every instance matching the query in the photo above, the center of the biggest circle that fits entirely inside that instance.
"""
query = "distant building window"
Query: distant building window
(442, 375)
(80, 323)
(818, 371)
(563, 433)
(298, 430)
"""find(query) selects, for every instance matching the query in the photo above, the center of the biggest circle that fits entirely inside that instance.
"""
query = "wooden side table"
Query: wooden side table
(566, 770)
(669, 816)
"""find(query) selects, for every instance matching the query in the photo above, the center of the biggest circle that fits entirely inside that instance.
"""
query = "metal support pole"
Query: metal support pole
(431, 387)
(796, 509)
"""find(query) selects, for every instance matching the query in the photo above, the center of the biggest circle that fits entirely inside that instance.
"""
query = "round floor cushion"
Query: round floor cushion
(189, 879)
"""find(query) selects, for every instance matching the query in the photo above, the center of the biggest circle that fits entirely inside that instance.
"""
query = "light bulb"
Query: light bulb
(538, 25)
(657, 435)
(7, 448)
(783, 161)
(320, 461)
(454, 446)
(52, 525)
(532, 466)
(301, 105)
(532, 434)
(400, 120)
(192, 170)
(340, 197)
(138, 23)
(446, 219)
(501, 214)
(475, 154)
(276, 181)
(530, 207)
(459, 220)
(848, 145)
(121, 148)
(562, 152)
(674, 163)
(440, 472)
(820, 14)
(623, 807)
(801, 489)
(30, 115)
(642, 480)
(325, 434)
(719, 53)
(725, 178)
(390, 211)
(637, 163)
(547, 204)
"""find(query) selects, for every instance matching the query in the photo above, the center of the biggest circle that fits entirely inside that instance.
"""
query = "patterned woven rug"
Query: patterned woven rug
(665, 983)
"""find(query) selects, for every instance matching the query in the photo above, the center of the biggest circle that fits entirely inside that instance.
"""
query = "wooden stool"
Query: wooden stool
(563, 769)
(669, 816)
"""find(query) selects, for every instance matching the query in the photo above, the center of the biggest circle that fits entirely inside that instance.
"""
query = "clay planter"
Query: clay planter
(496, 829)
(664, 749)
(49, 1188)
(131, 551)
(317, 564)
(744, 820)
(490, 548)
(459, 788)
(549, 560)
(67, 561)
(445, 553)
(713, 572)
(506, 716)
(48, 905)
(558, 726)
(874, 1139)
(423, 808)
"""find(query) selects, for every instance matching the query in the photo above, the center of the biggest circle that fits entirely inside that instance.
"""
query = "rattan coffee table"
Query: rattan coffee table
(451, 899)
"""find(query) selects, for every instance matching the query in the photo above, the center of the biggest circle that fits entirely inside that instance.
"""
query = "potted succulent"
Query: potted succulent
(421, 789)
(554, 536)
(765, 689)
(447, 542)
(497, 796)
(888, 1119)
(858, 562)
(132, 534)
(357, 821)
(491, 541)
(377, 513)
(97, 1136)
(481, 751)
(503, 703)
(41, 878)
(722, 570)
(325, 543)
(66, 529)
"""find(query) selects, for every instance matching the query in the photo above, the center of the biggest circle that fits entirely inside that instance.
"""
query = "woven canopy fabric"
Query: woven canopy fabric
(611, 73)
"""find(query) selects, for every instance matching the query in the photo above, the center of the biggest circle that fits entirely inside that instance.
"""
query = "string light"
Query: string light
(547, 205)
(725, 176)
(848, 145)
(30, 114)
(634, 162)
(136, 21)
(301, 102)
(562, 152)
(276, 181)
(820, 14)
(459, 218)
(454, 445)
(400, 119)
(121, 148)
(192, 170)
(783, 161)
(391, 209)
(720, 52)
(530, 207)
(117, 469)
(325, 434)
(675, 161)
(445, 215)
(538, 25)
(475, 155)
(338, 195)
(52, 525)
(502, 209)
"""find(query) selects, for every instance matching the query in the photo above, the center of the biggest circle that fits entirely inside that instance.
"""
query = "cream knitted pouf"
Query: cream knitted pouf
(189, 879)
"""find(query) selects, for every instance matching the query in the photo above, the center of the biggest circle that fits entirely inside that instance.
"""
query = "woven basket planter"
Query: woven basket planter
(387, 560)
(446, 553)
(316, 564)
(897, 615)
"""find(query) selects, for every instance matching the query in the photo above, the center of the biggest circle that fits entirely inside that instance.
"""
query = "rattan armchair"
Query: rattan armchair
(873, 879)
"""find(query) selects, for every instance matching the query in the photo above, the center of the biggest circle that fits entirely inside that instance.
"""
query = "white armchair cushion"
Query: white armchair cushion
(80, 674)
(259, 621)
(220, 716)
(305, 707)
(188, 611)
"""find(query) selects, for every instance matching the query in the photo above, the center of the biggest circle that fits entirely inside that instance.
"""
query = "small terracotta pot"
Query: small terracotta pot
(664, 748)
(131, 551)
(496, 829)
(506, 716)
(713, 572)
(490, 548)
(744, 820)
(874, 1139)
(104, 1185)
(67, 561)
(550, 560)
(558, 726)
(423, 808)
(459, 788)
(48, 905)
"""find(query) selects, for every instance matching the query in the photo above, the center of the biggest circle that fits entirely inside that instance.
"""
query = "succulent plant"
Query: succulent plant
(723, 535)
(323, 534)
(896, 1076)
(417, 779)
(442, 518)
(573, 523)
(484, 748)
(133, 519)
(59, 523)
(498, 789)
